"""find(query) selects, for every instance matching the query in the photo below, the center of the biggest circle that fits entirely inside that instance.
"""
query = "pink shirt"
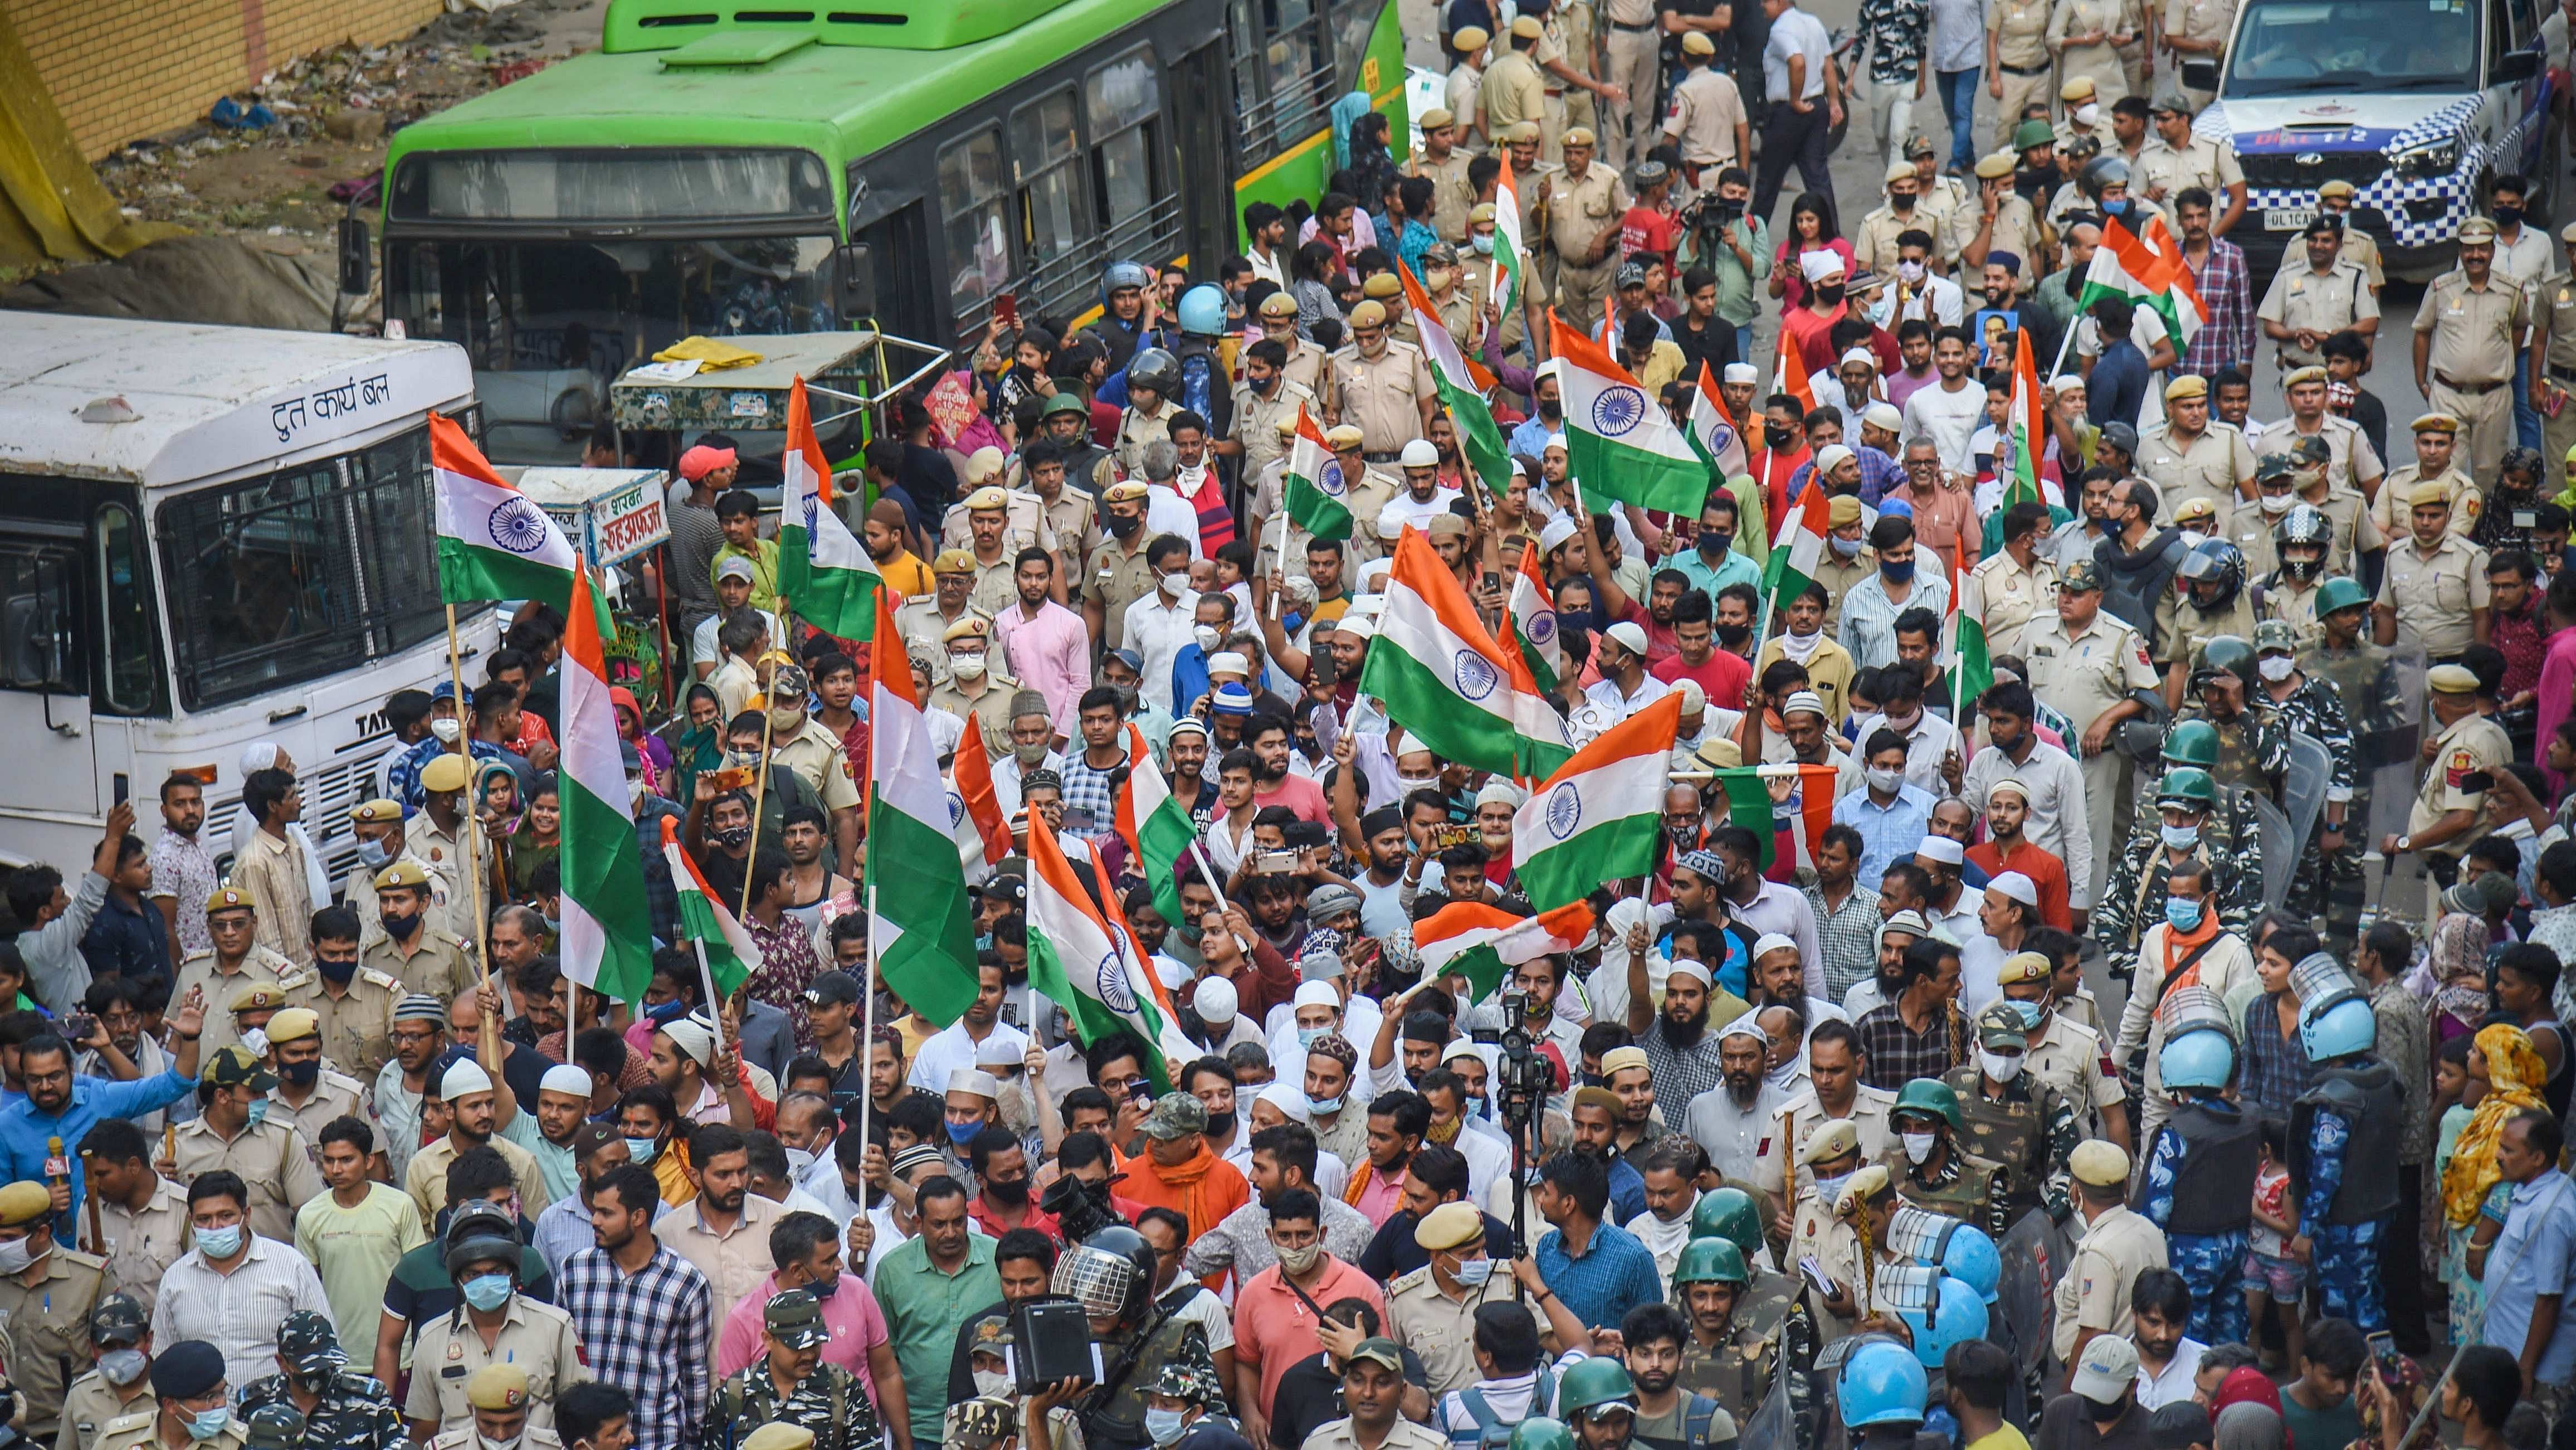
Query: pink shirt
(1050, 654)
(2557, 683)
(1385, 1192)
(851, 1314)
(1273, 1327)
(1298, 794)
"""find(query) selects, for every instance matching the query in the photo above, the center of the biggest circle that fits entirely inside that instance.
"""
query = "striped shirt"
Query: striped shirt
(1850, 938)
(1868, 625)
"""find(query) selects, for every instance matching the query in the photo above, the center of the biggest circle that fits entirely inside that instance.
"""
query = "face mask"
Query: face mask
(825, 1288)
(446, 730)
(1896, 571)
(488, 1443)
(1299, 1261)
(1163, 1427)
(1221, 1125)
(220, 1243)
(1472, 1273)
(1123, 526)
(374, 853)
(1437, 278)
(1918, 1146)
(643, 1150)
(1176, 585)
(300, 1074)
(16, 1255)
(2182, 913)
(1207, 637)
(207, 1424)
(488, 1292)
(1829, 293)
(2087, 114)
(1775, 435)
(1483, 243)
(994, 1382)
(2181, 838)
(963, 1133)
(1843, 548)
(786, 722)
(1734, 636)
(2102, 1412)
(337, 973)
(258, 1111)
(1902, 203)
(400, 927)
(1911, 272)
(1714, 545)
(1885, 780)
(122, 1367)
(1029, 755)
(1324, 1107)
(966, 667)
(2275, 668)
(798, 1160)
(732, 837)
(1829, 1189)
(2031, 1013)
(2001, 1066)
(1309, 1036)
(2508, 217)
(1009, 1195)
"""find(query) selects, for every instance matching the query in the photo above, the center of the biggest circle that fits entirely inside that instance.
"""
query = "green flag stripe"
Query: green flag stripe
(1648, 480)
(1569, 871)
(604, 872)
(1320, 514)
(1748, 804)
(914, 869)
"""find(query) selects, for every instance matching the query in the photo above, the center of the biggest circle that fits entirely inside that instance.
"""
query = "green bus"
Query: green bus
(725, 170)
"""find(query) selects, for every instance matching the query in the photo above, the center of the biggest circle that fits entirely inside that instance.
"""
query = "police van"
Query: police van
(2415, 102)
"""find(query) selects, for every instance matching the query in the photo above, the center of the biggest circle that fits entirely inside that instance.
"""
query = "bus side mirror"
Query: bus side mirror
(2200, 75)
(855, 280)
(357, 256)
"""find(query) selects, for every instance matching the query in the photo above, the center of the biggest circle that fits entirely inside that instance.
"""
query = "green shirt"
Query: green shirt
(763, 558)
(355, 1249)
(924, 1308)
(2319, 1429)
(1735, 281)
(562, 1175)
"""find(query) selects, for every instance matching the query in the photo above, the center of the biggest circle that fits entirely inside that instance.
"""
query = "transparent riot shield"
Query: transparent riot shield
(2303, 788)
(1774, 1426)
(2281, 842)
(2389, 724)
(2320, 982)
(2193, 1008)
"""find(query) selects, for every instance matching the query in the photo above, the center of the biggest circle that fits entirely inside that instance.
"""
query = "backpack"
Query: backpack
(1491, 1433)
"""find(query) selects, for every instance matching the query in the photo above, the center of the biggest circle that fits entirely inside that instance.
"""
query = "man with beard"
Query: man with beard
(1594, 1114)
(1630, 1076)
(2138, 561)
(1903, 926)
(1667, 1417)
(1458, 1122)
(1731, 1122)
(1679, 1052)
(2050, 785)
(2075, 538)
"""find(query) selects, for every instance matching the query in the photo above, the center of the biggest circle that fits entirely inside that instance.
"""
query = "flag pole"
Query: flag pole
(707, 982)
(1209, 872)
(759, 795)
(1279, 556)
(489, 1034)
(868, 1026)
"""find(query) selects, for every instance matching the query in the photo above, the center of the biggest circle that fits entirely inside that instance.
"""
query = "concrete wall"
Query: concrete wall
(123, 69)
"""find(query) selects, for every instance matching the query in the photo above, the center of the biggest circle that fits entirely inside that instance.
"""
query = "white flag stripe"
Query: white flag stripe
(903, 773)
(1631, 419)
(502, 520)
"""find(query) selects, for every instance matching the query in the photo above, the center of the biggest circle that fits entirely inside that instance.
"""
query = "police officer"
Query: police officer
(2436, 582)
(2300, 541)
(437, 837)
(2448, 816)
(792, 1383)
(234, 1132)
(2226, 691)
(342, 1409)
(2555, 316)
(2305, 305)
(2231, 825)
(974, 691)
(924, 620)
(2062, 1051)
(2192, 455)
(310, 1090)
(1446, 165)
(493, 1323)
(190, 1404)
(2469, 332)
(1930, 1169)
(234, 961)
(1723, 1357)
(1266, 405)
(378, 827)
(119, 1385)
(2214, 603)
(2352, 532)
(2361, 676)
(1584, 205)
(1706, 118)
(47, 1291)
(499, 1395)
(1111, 1275)
(2093, 1295)
(352, 1005)
(1370, 495)
(1381, 385)
(2200, 1174)
(2017, 33)
(1769, 1298)
(2090, 666)
(2345, 1136)
(272, 1427)
(1432, 1311)
(2436, 461)
(413, 950)
(1153, 377)
(2013, 1120)
(1513, 92)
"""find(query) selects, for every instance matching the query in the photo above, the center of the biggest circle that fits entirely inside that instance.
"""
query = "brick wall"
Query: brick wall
(123, 69)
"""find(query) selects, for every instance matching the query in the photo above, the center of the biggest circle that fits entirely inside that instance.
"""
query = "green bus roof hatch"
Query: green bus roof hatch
(687, 25)
(738, 47)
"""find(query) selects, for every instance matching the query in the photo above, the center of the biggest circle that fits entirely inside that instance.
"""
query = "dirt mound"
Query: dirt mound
(233, 281)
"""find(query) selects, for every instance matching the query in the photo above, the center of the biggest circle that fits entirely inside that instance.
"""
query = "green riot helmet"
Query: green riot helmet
(2227, 654)
(1595, 1383)
(2192, 742)
(2188, 787)
(1730, 1214)
(2338, 593)
(1541, 1432)
(1932, 1097)
(1711, 1261)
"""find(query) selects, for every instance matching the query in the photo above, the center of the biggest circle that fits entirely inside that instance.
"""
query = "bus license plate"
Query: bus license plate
(2287, 219)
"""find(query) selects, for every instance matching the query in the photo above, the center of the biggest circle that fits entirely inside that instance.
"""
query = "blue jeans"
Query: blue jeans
(1959, 102)
(2526, 418)
(1744, 343)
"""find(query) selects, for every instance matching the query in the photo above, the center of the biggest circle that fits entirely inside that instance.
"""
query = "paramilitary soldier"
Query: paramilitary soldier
(1111, 1275)
(2201, 1166)
(342, 1409)
(2345, 1134)
(1724, 1358)
(1930, 1168)
(790, 1382)
(2015, 1121)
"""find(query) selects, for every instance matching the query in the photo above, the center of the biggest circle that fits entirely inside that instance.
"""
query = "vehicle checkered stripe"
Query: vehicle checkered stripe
(2391, 193)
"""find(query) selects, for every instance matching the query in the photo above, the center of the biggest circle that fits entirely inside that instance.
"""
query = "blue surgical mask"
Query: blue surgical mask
(258, 1111)
(1163, 1427)
(2181, 838)
(962, 1134)
(220, 1243)
(825, 1288)
(2182, 913)
(1484, 244)
(488, 1292)
(1843, 548)
(1324, 1107)
(207, 1424)
(1896, 571)
(373, 853)
(643, 1150)
(1474, 1272)
(1309, 1036)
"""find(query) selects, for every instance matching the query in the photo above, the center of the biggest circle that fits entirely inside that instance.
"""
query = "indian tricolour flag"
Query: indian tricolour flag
(983, 832)
(1712, 432)
(1091, 965)
(2149, 271)
(922, 933)
(1971, 662)
(606, 942)
(1530, 614)
(1798, 550)
(1442, 677)
(1599, 818)
(1461, 391)
(823, 570)
(1312, 490)
(1481, 942)
(729, 952)
(1508, 261)
(493, 541)
(2027, 423)
(1618, 440)
(1157, 828)
(1802, 817)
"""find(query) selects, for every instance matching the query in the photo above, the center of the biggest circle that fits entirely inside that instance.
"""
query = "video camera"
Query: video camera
(1708, 214)
(1522, 1077)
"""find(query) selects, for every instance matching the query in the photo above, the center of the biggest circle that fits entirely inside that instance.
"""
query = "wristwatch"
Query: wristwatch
(2405, 843)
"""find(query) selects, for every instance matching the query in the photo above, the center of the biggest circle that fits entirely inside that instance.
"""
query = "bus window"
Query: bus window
(130, 677)
(263, 583)
(1354, 25)
(392, 509)
(40, 619)
(1125, 99)
(1244, 51)
(972, 190)
(1047, 160)
(1300, 76)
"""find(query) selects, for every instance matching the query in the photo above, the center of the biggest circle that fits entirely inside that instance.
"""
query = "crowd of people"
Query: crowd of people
(1816, 1129)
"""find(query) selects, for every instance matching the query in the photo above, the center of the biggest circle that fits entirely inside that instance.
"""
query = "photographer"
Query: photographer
(1733, 246)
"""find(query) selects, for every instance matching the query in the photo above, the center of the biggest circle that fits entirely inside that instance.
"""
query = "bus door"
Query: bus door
(44, 669)
(1200, 89)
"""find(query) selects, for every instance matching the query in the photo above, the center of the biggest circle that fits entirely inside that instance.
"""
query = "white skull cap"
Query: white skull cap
(1558, 530)
(1419, 454)
(974, 1080)
(1316, 994)
(1215, 1000)
(466, 1077)
(1883, 416)
(1941, 849)
(1831, 457)
(1694, 699)
(1740, 373)
(563, 1077)
(1819, 264)
(1772, 941)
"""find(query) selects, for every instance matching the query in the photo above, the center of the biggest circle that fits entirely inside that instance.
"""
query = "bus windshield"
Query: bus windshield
(2288, 47)
(294, 575)
(549, 324)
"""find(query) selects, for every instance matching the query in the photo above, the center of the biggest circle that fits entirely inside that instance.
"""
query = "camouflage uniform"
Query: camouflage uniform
(1963, 1187)
(2315, 709)
(1118, 1418)
(2364, 681)
(2212, 1264)
(2251, 761)
(1736, 1371)
(2027, 1133)
(830, 1401)
(354, 1412)
(2120, 911)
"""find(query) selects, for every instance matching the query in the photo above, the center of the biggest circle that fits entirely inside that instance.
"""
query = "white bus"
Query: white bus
(210, 536)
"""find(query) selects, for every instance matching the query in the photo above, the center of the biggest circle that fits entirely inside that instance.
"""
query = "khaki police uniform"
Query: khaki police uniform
(260, 967)
(2017, 226)
(2472, 743)
(1874, 247)
(1635, 44)
(2434, 593)
(1441, 1331)
(1070, 520)
(274, 1162)
(2350, 460)
(1800, 1117)
(142, 1430)
(1257, 419)
(2098, 63)
(2300, 298)
(2355, 532)
(2476, 335)
(2094, 1294)
(996, 585)
(1515, 91)
(535, 1338)
(1309, 368)
(1578, 212)
(2165, 172)
(1838, 576)
(335, 1095)
(2019, 29)
(1816, 1232)
(1452, 197)
(1404, 1434)
(2555, 305)
(924, 628)
(2295, 605)
(2080, 674)
(1024, 525)
(92, 1404)
(1136, 428)
(534, 1437)
(356, 1027)
(1382, 396)
(815, 754)
(2184, 627)
(2209, 465)
(2200, 20)
(141, 1245)
(451, 908)
(1117, 576)
(989, 708)
(2071, 1058)
(2394, 509)
(1706, 108)
(2251, 532)
(2014, 596)
(437, 965)
(1368, 498)
(49, 1331)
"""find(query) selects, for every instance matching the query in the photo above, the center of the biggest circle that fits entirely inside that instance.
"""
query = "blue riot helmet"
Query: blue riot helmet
(1882, 1384)
(2203, 1059)
(1202, 310)
(1970, 1257)
(2341, 1030)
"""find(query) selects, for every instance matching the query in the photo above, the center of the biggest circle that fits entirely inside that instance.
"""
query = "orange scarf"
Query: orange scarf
(2179, 945)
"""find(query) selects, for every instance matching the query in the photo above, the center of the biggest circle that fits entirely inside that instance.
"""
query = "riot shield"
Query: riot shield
(1919, 1234)
(1772, 1426)
(2035, 1252)
(2281, 842)
(2303, 787)
(2391, 718)
(2193, 1008)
